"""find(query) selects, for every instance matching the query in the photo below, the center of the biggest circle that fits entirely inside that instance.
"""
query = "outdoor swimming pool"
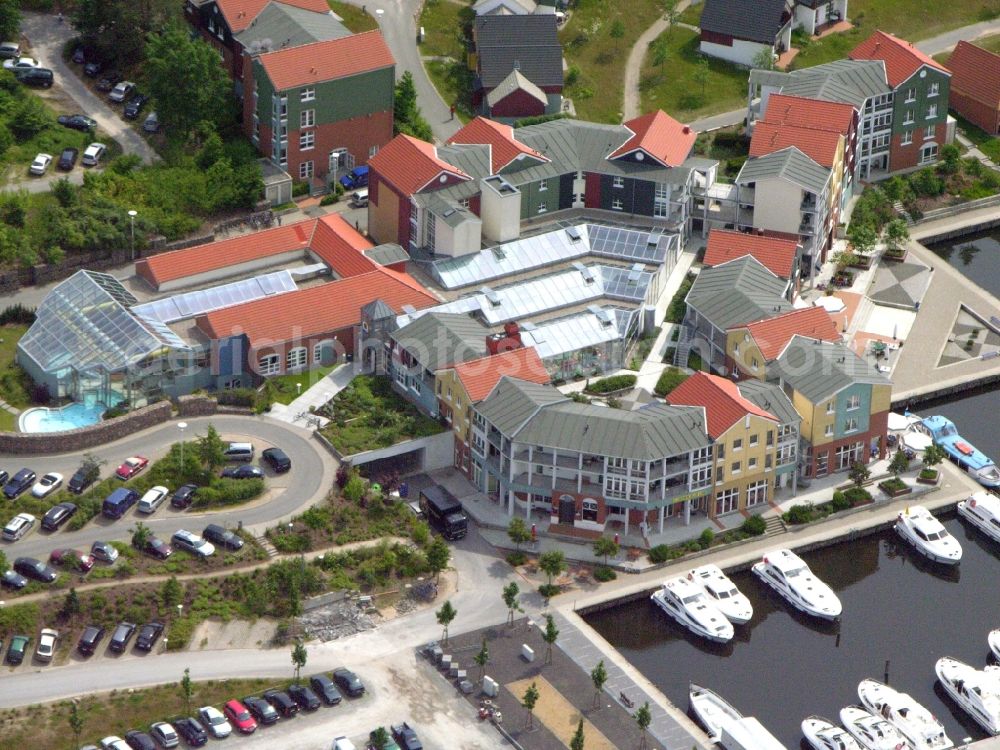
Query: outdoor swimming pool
(69, 417)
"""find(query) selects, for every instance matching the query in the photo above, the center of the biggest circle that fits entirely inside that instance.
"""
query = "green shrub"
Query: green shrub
(840, 501)
(858, 495)
(668, 380)
(678, 307)
(514, 559)
(755, 525)
(798, 514)
(706, 538)
(525, 121)
(291, 543)
(548, 590)
(603, 574)
(663, 552)
(300, 189)
(329, 199)
(18, 314)
(613, 383)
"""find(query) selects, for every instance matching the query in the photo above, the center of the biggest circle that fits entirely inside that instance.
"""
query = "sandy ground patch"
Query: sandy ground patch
(215, 634)
(559, 715)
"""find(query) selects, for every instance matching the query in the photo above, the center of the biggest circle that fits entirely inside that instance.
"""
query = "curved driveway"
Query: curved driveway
(308, 482)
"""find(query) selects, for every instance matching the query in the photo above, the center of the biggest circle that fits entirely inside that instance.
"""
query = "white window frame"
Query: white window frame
(617, 204)
(617, 182)
(756, 493)
(853, 402)
(931, 112)
(907, 138)
(934, 89)
(929, 152)
(542, 207)
(372, 151)
(828, 431)
(908, 117)
(851, 425)
(307, 118)
(269, 364)
(543, 185)
(307, 140)
(727, 501)
(307, 95)
(929, 132)
(297, 358)
(306, 170)
(911, 94)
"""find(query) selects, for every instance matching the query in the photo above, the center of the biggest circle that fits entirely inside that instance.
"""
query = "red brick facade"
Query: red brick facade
(358, 135)
(907, 156)
(344, 337)
(975, 111)
(878, 426)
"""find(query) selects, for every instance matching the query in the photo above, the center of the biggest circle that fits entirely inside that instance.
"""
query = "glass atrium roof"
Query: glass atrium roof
(85, 323)
(594, 327)
(190, 304)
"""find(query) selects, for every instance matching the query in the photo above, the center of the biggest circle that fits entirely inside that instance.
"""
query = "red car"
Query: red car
(79, 560)
(131, 466)
(239, 717)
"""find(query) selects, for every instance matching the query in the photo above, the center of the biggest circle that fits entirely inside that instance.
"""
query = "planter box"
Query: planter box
(895, 258)
(893, 491)
(930, 480)
(863, 261)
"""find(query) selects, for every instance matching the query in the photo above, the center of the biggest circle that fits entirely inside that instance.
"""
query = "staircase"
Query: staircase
(683, 346)
(266, 545)
(773, 525)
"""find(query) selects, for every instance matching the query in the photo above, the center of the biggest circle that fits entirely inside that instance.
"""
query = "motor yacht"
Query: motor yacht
(977, 692)
(921, 529)
(969, 458)
(994, 640)
(788, 574)
(685, 601)
(723, 593)
(823, 734)
(712, 710)
(871, 731)
(982, 510)
(917, 724)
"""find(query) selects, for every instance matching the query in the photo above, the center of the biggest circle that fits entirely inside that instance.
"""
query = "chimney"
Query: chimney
(686, 129)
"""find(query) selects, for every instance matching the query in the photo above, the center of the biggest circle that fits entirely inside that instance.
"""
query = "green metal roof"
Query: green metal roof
(738, 292)
(789, 164)
(513, 402)
(771, 398)
(387, 254)
(281, 26)
(849, 81)
(441, 339)
(819, 369)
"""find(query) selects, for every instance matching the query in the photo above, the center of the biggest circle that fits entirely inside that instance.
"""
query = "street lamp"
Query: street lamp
(182, 426)
(298, 387)
(131, 215)
(180, 610)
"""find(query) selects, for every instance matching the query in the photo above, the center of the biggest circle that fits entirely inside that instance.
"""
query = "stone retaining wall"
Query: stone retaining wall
(196, 406)
(40, 443)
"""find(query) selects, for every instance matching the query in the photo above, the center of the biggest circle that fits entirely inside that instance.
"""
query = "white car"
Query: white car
(121, 91)
(21, 63)
(40, 164)
(93, 154)
(213, 720)
(153, 499)
(114, 742)
(18, 527)
(191, 542)
(46, 644)
(342, 743)
(47, 485)
(165, 734)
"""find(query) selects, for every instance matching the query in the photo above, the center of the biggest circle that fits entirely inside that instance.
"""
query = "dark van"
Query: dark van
(444, 512)
(41, 77)
(118, 502)
(356, 178)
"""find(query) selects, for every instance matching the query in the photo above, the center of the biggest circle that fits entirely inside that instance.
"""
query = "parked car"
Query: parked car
(190, 542)
(262, 711)
(165, 734)
(406, 737)
(89, 640)
(104, 551)
(134, 106)
(79, 55)
(57, 515)
(139, 740)
(305, 697)
(356, 178)
(239, 452)
(4, 476)
(122, 635)
(156, 547)
(114, 742)
(246, 471)
(92, 69)
(109, 80)
(277, 459)
(78, 560)
(93, 154)
(193, 733)
(36, 569)
(282, 702)
(40, 165)
(131, 466)
(67, 159)
(221, 537)
(20, 63)
(342, 743)
(325, 689)
(47, 640)
(77, 122)
(184, 496)
(152, 123)
(213, 720)
(153, 499)
(349, 682)
(10, 50)
(25, 478)
(148, 635)
(82, 478)
(240, 717)
(118, 503)
(43, 78)
(121, 91)
(17, 649)
(48, 484)
(12, 580)
(18, 527)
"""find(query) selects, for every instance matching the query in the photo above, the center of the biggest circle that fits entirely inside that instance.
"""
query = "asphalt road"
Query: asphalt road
(309, 480)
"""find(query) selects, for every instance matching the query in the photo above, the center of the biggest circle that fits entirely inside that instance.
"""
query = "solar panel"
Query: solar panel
(190, 304)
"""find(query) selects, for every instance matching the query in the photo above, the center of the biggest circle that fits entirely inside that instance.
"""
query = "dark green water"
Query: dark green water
(975, 255)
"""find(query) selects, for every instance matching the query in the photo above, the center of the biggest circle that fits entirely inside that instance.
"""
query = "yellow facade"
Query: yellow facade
(453, 397)
(383, 219)
(836, 180)
(881, 398)
(746, 460)
(742, 349)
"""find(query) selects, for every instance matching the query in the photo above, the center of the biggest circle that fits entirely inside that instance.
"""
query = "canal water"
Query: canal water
(976, 256)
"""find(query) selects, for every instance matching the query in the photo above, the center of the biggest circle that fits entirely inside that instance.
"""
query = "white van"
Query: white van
(153, 499)
(359, 198)
(239, 452)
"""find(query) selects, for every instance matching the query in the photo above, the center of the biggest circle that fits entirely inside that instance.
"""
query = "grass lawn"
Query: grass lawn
(453, 80)
(692, 14)
(15, 385)
(444, 25)
(992, 43)
(354, 18)
(590, 47)
(988, 144)
(285, 389)
(676, 89)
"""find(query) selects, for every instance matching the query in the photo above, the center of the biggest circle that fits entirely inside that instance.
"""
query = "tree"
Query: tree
(380, 738)
(299, 656)
(406, 115)
(617, 30)
(763, 60)
(438, 554)
(187, 689)
(577, 742)
(482, 659)
(549, 635)
(552, 563)
(859, 474)
(701, 74)
(76, 719)
(10, 19)
(862, 237)
(171, 593)
(659, 51)
(670, 14)
(141, 535)
(519, 533)
(896, 233)
(91, 466)
(187, 80)
(211, 449)
(599, 676)
(30, 117)
(529, 700)
(112, 29)
(643, 718)
(445, 616)
(951, 158)
(4, 565)
(933, 455)
(510, 593)
(71, 604)
(606, 547)
(899, 463)
(354, 488)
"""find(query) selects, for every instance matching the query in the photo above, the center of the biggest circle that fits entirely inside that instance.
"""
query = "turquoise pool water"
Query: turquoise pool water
(70, 417)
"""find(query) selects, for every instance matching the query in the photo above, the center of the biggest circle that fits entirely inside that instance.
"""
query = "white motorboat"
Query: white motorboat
(994, 640)
(823, 734)
(982, 510)
(921, 529)
(685, 601)
(788, 574)
(917, 724)
(712, 710)
(732, 602)
(871, 731)
(976, 691)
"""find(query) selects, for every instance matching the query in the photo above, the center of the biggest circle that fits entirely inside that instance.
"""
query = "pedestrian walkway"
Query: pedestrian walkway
(299, 411)
(8, 408)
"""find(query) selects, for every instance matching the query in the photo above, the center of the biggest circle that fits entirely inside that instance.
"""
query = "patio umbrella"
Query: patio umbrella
(831, 304)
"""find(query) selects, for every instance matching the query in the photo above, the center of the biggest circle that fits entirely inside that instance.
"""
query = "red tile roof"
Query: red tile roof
(504, 147)
(240, 13)
(341, 246)
(214, 256)
(775, 253)
(480, 376)
(809, 113)
(773, 334)
(408, 164)
(901, 58)
(975, 72)
(818, 145)
(313, 311)
(327, 60)
(660, 136)
(724, 405)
